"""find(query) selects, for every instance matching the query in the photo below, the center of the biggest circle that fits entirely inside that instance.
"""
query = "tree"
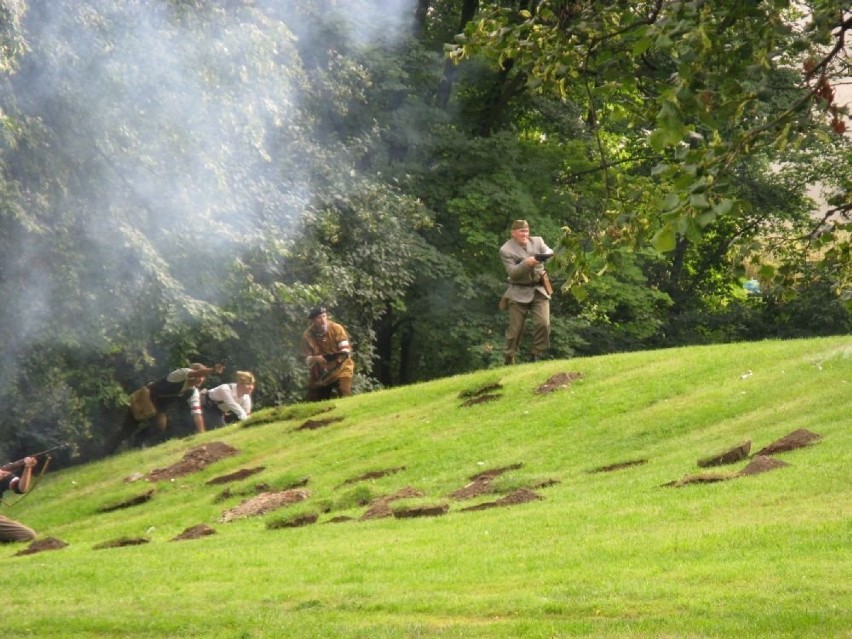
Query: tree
(660, 85)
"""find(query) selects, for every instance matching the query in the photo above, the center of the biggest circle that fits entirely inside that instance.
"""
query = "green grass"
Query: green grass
(601, 555)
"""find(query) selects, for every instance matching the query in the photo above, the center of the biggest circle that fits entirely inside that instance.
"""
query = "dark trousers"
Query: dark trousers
(343, 385)
(539, 308)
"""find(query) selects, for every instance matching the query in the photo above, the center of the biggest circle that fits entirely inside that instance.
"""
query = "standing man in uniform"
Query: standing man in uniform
(328, 354)
(11, 530)
(529, 290)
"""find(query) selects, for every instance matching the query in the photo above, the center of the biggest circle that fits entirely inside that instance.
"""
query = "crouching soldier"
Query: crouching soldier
(228, 402)
(11, 530)
(152, 400)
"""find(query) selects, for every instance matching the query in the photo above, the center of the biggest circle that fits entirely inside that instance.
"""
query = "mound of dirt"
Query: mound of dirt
(797, 439)
(127, 503)
(374, 474)
(313, 424)
(122, 541)
(560, 380)
(381, 507)
(40, 545)
(482, 390)
(701, 478)
(618, 466)
(194, 532)
(730, 456)
(264, 503)
(296, 522)
(242, 473)
(480, 399)
(194, 460)
(520, 496)
(761, 464)
(433, 510)
(481, 482)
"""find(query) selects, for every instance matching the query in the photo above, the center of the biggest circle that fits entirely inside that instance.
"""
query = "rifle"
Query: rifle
(330, 357)
(19, 463)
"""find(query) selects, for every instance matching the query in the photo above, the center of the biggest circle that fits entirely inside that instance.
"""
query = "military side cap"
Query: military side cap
(519, 224)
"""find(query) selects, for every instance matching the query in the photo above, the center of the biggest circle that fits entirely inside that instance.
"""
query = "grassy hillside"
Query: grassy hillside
(599, 554)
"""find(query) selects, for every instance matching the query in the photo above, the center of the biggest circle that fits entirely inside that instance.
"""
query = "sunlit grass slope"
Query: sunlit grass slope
(602, 554)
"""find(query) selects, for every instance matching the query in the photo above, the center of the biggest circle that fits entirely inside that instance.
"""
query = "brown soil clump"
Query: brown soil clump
(797, 439)
(730, 456)
(194, 460)
(482, 390)
(40, 545)
(520, 496)
(123, 541)
(762, 464)
(340, 519)
(264, 503)
(296, 522)
(127, 503)
(236, 476)
(381, 507)
(421, 511)
(195, 532)
(481, 482)
(375, 474)
(701, 478)
(313, 424)
(480, 399)
(619, 466)
(560, 380)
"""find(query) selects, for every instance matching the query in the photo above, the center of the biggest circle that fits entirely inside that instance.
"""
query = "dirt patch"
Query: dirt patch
(127, 503)
(618, 466)
(480, 399)
(480, 395)
(381, 507)
(481, 482)
(558, 381)
(236, 476)
(264, 503)
(40, 545)
(762, 464)
(433, 510)
(701, 478)
(730, 456)
(123, 541)
(295, 522)
(284, 413)
(313, 424)
(797, 439)
(194, 460)
(520, 496)
(373, 474)
(195, 532)
(340, 519)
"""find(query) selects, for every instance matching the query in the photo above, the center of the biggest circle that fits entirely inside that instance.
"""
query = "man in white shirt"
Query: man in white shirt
(228, 402)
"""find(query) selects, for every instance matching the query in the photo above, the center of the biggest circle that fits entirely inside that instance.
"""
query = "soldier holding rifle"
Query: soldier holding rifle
(529, 290)
(327, 352)
(11, 530)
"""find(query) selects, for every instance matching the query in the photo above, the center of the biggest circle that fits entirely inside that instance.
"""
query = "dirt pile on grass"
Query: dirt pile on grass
(194, 460)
